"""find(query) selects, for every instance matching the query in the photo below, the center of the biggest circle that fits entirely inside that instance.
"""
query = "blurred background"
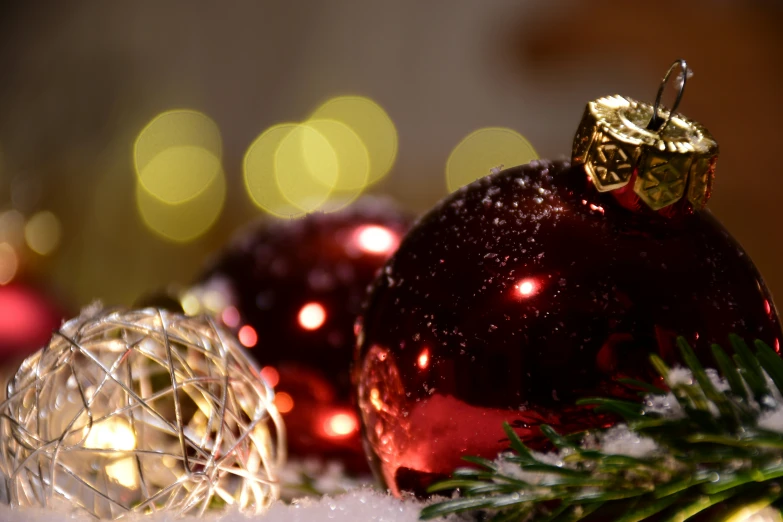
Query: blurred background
(88, 88)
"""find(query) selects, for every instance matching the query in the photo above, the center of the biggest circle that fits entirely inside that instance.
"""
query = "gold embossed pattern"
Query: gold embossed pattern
(613, 143)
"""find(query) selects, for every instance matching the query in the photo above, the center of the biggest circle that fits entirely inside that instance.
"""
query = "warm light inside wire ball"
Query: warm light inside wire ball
(137, 412)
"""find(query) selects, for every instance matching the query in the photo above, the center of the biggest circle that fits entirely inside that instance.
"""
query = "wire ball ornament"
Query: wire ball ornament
(138, 412)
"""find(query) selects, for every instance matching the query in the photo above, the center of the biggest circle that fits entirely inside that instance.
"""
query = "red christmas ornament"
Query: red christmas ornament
(27, 320)
(292, 291)
(542, 284)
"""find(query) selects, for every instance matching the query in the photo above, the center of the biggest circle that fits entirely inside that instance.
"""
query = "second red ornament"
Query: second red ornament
(291, 290)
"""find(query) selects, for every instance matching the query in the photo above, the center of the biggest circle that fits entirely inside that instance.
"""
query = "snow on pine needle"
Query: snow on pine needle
(710, 447)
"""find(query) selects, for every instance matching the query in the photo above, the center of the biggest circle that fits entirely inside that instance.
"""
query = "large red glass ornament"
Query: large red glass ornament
(292, 291)
(527, 290)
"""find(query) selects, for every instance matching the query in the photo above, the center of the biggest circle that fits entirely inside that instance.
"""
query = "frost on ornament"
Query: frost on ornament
(140, 412)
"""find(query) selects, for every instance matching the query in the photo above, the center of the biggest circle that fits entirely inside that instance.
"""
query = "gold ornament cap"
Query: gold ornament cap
(670, 155)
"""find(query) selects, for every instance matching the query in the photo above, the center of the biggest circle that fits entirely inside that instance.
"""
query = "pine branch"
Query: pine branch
(711, 447)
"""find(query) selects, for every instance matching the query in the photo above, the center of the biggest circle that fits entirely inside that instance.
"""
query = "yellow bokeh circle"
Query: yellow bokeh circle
(184, 221)
(258, 169)
(178, 155)
(373, 126)
(353, 160)
(483, 150)
(42, 232)
(306, 167)
(353, 163)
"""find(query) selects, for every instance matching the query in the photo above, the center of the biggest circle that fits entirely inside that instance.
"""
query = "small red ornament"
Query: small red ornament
(542, 284)
(291, 290)
(27, 319)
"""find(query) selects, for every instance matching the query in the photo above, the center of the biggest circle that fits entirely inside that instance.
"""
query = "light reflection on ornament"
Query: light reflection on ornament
(341, 424)
(424, 359)
(284, 402)
(112, 433)
(312, 316)
(230, 316)
(247, 336)
(375, 399)
(270, 375)
(115, 434)
(527, 287)
(767, 306)
(9, 263)
(597, 208)
(375, 239)
(124, 472)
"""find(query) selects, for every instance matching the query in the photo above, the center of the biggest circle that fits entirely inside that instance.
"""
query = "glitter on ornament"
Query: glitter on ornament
(141, 411)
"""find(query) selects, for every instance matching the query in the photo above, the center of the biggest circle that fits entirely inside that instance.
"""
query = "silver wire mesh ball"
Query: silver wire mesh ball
(137, 412)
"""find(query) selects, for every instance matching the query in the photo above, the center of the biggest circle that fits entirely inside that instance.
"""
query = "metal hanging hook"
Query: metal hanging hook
(657, 124)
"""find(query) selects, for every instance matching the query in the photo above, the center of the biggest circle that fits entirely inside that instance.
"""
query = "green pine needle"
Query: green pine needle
(710, 458)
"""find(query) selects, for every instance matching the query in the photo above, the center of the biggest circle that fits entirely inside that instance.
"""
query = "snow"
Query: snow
(619, 440)
(679, 376)
(664, 405)
(772, 420)
(513, 470)
(717, 381)
(362, 505)
(312, 476)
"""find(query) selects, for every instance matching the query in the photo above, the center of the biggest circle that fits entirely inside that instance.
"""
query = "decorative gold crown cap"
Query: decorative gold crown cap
(669, 153)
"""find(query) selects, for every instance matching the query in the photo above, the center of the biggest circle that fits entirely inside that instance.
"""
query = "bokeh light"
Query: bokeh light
(178, 155)
(284, 402)
(322, 164)
(375, 239)
(423, 360)
(259, 173)
(483, 150)
(306, 167)
(341, 424)
(230, 316)
(185, 221)
(247, 336)
(42, 232)
(371, 123)
(527, 287)
(312, 316)
(270, 375)
(353, 163)
(9, 263)
(12, 228)
(190, 303)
